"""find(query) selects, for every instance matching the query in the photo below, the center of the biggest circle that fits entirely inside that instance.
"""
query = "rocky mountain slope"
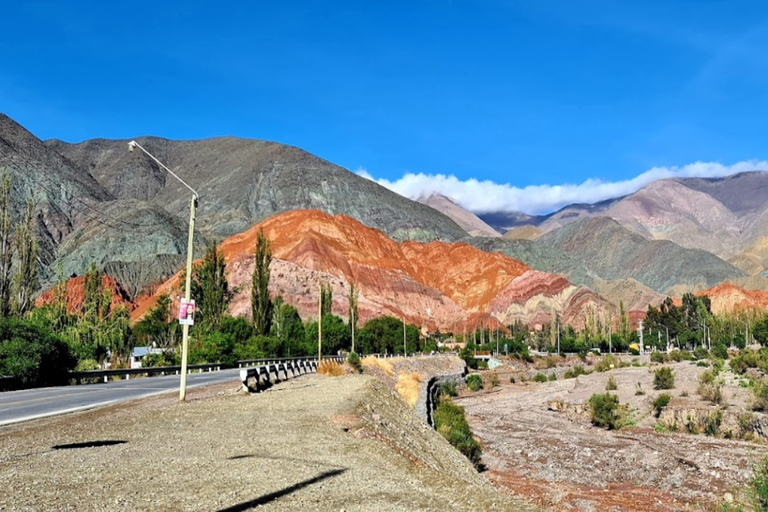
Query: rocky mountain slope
(611, 252)
(467, 220)
(63, 194)
(243, 181)
(436, 284)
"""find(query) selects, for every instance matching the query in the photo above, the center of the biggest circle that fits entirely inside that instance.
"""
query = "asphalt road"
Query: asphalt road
(30, 404)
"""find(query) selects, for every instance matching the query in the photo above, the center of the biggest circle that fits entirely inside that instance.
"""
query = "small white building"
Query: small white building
(139, 353)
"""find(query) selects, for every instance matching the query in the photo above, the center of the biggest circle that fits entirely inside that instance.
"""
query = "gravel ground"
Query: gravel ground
(558, 460)
(310, 443)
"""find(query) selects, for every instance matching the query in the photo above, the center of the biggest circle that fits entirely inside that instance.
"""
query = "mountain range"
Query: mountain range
(98, 202)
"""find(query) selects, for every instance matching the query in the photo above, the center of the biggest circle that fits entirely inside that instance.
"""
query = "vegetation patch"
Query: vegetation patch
(451, 423)
(474, 382)
(385, 365)
(664, 378)
(661, 402)
(604, 408)
(330, 368)
(408, 387)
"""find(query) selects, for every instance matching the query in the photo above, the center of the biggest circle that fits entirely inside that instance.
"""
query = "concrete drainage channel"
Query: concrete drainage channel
(429, 392)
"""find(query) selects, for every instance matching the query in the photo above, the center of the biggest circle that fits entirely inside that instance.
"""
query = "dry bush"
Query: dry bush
(408, 387)
(384, 364)
(330, 368)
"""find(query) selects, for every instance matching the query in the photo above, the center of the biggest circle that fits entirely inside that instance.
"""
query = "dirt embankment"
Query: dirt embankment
(539, 444)
(310, 443)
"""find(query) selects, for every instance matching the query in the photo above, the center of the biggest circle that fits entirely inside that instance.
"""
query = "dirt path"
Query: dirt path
(311, 443)
(561, 462)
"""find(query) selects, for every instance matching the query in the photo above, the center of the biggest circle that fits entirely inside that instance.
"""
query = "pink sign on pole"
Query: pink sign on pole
(187, 312)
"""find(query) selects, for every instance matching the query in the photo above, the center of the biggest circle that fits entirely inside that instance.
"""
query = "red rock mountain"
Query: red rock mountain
(727, 297)
(75, 294)
(437, 284)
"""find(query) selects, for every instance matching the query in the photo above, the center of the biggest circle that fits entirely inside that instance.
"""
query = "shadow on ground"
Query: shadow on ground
(263, 500)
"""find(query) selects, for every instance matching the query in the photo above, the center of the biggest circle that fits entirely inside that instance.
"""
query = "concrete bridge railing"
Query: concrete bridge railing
(257, 378)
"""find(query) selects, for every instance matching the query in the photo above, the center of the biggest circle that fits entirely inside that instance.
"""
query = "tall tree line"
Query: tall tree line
(16, 288)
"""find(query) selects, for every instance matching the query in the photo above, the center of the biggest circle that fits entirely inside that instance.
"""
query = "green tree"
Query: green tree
(336, 335)
(326, 298)
(384, 334)
(33, 354)
(156, 328)
(261, 305)
(25, 280)
(353, 315)
(210, 289)
(288, 330)
(6, 244)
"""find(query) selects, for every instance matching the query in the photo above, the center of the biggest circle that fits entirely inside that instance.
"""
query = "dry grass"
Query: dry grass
(330, 368)
(385, 365)
(408, 387)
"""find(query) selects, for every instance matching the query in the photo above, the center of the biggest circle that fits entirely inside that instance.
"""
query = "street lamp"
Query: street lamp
(192, 205)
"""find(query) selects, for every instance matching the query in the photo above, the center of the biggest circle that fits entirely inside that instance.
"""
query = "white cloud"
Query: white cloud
(487, 196)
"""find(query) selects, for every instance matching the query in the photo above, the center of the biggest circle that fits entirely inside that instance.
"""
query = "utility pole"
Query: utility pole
(188, 282)
(558, 337)
(405, 349)
(610, 341)
(319, 322)
(353, 330)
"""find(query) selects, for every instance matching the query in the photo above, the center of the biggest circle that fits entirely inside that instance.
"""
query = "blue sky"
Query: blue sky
(519, 93)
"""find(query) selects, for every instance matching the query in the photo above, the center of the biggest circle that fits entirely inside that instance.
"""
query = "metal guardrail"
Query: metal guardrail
(104, 375)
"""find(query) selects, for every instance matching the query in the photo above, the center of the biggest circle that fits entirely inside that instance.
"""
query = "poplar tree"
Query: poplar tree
(326, 296)
(6, 244)
(210, 288)
(353, 316)
(261, 305)
(25, 280)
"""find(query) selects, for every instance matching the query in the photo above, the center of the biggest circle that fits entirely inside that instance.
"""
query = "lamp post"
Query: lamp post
(187, 285)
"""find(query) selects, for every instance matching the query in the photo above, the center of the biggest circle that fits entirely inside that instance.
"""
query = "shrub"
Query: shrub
(661, 402)
(720, 351)
(330, 368)
(511, 380)
(451, 423)
(546, 363)
(759, 485)
(611, 384)
(33, 354)
(706, 378)
(712, 423)
(474, 382)
(552, 377)
(575, 372)
(539, 377)
(712, 392)
(604, 408)
(354, 361)
(664, 378)
(658, 357)
(700, 353)
(493, 379)
(760, 395)
(608, 362)
(448, 389)
(680, 355)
